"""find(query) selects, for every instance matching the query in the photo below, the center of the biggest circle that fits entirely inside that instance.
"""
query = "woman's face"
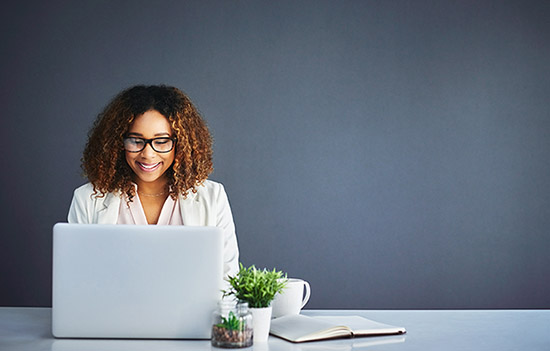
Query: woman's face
(148, 165)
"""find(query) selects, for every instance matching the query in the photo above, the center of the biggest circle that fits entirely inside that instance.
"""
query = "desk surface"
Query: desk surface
(29, 329)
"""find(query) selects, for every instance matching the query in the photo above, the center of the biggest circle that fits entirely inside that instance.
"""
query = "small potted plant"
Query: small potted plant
(232, 327)
(258, 288)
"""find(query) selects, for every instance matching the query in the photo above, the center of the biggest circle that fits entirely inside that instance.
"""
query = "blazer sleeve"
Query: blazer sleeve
(225, 221)
(79, 209)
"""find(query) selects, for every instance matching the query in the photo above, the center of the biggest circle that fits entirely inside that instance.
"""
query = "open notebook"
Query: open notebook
(300, 328)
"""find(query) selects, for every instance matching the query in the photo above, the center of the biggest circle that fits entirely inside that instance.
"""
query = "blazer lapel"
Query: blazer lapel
(192, 212)
(108, 209)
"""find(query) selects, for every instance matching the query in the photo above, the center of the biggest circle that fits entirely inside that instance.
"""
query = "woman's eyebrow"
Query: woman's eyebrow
(156, 134)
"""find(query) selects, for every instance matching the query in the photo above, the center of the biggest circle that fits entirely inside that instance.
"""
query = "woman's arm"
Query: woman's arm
(225, 222)
(78, 212)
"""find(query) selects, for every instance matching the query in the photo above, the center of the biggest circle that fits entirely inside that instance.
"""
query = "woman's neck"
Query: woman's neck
(156, 188)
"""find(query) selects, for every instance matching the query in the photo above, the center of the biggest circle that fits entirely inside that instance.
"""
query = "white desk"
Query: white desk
(29, 329)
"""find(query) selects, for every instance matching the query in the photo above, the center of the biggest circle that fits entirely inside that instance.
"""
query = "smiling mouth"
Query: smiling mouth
(148, 167)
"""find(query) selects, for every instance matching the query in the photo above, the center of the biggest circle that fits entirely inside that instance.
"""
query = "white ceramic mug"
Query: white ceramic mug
(292, 299)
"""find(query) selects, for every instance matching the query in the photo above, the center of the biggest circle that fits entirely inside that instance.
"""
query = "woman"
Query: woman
(147, 160)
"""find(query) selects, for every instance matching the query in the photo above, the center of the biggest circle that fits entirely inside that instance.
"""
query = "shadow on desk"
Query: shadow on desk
(275, 344)
(121, 345)
(365, 343)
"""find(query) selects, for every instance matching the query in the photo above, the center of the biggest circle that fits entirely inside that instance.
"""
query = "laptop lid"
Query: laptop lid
(135, 281)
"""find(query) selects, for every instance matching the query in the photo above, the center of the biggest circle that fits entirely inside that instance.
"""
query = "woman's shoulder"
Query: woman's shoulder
(210, 188)
(87, 192)
(211, 185)
(84, 190)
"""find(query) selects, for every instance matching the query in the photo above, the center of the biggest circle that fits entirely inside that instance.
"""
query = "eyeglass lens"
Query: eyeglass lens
(133, 144)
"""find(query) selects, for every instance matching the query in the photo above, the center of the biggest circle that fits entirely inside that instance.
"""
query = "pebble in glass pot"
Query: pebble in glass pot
(232, 325)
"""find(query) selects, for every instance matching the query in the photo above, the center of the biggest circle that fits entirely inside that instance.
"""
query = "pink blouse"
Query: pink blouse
(133, 213)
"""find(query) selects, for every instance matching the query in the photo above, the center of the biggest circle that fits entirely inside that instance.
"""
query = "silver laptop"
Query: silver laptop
(135, 281)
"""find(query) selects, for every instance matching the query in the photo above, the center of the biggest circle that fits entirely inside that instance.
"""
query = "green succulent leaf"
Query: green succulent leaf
(232, 322)
(255, 286)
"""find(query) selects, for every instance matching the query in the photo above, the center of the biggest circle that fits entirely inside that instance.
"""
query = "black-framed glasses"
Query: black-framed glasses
(161, 144)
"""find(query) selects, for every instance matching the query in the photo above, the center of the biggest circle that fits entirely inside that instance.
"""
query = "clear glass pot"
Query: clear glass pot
(232, 325)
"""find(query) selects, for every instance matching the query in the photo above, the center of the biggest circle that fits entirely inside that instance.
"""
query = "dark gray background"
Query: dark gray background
(393, 153)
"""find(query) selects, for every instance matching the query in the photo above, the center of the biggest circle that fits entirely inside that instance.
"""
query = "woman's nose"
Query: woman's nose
(148, 150)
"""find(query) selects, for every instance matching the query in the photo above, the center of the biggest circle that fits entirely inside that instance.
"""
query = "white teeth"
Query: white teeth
(148, 167)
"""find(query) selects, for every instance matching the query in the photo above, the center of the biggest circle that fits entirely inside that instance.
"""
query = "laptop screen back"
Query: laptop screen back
(135, 281)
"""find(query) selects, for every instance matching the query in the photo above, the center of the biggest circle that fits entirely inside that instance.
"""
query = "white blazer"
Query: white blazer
(208, 207)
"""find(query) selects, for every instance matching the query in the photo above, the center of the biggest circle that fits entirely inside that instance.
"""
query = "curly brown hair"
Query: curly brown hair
(104, 161)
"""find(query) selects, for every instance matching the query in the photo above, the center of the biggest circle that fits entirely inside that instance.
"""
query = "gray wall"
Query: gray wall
(393, 153)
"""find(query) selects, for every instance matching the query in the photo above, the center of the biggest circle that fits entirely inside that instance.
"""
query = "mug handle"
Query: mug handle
(308, 293)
